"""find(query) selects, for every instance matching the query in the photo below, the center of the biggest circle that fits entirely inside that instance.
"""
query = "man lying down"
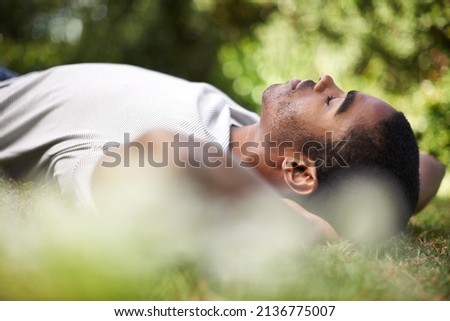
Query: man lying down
(345, 163)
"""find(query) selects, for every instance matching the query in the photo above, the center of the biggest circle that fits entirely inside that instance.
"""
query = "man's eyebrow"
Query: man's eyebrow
(347, 102)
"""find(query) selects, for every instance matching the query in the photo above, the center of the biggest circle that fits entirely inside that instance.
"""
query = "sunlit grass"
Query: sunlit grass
(51, 250)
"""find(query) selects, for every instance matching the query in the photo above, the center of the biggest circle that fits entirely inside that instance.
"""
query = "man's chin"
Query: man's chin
(270, 94)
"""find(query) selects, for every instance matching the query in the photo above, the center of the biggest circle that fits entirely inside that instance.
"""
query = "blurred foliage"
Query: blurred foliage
(49, 250)
(397, 50)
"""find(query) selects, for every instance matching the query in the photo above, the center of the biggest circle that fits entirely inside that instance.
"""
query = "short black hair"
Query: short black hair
(388, 148)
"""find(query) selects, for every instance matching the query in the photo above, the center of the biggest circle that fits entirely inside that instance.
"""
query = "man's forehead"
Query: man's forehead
(371, 108)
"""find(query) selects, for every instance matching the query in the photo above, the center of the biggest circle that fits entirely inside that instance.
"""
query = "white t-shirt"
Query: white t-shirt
(55, 123)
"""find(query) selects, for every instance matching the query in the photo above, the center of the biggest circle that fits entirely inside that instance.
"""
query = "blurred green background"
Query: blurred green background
(397, 50)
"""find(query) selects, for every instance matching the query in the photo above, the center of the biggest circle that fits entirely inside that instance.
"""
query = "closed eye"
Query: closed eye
(329, 98)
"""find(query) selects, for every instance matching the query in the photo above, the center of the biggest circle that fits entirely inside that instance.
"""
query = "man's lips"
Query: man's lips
(294, 83)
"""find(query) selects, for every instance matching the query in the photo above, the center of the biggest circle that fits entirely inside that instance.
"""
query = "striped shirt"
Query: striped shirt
(55, 123)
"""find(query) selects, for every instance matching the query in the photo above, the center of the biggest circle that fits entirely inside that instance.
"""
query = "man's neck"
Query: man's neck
(248, 144)
(239, 136)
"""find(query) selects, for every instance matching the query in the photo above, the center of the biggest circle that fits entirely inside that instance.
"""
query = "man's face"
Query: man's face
(312, 109)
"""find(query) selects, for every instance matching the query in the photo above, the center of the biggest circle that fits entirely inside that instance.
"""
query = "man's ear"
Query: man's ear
(300, 175)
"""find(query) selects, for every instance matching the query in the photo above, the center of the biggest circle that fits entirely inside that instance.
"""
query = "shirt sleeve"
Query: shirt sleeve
(74, 175)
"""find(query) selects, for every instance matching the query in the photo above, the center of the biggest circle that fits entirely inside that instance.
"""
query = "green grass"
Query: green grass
(51, 251)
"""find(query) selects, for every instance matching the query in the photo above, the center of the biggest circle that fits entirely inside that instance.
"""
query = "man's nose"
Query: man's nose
(325, 82)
